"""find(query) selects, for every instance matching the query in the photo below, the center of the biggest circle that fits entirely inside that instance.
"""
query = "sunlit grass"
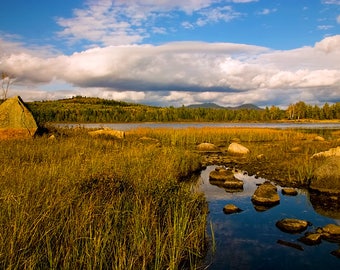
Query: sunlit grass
(84, 203)
(79, 202)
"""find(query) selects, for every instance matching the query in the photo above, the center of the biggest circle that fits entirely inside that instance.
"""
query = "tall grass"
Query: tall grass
(79, 202)
(84, 203)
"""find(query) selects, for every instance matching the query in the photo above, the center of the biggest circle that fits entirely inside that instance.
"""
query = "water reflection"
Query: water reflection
(250, 239)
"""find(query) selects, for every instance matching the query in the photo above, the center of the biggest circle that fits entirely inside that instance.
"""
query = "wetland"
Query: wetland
(70, 200)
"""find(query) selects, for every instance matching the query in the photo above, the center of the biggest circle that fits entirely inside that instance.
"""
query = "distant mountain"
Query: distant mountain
(215, 106)
(205, 106)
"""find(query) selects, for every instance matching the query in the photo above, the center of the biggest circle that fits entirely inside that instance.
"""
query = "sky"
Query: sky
(173, 52)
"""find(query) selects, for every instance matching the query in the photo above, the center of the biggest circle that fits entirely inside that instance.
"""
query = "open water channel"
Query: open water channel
(251, 240)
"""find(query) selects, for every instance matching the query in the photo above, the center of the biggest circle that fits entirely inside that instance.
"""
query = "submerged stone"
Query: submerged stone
(292, 225)
(289, 191)
(311, 239)
(231, 209)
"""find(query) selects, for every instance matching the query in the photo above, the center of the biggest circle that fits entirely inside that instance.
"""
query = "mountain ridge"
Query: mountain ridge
(211, 105)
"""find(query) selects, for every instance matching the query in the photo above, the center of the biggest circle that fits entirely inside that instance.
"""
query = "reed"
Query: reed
(84, 203)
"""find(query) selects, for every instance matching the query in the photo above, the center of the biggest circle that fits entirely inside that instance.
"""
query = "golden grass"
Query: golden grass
(84, 203)
(79, 202)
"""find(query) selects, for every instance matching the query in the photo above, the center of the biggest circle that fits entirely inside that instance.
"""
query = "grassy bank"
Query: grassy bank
(84, 203)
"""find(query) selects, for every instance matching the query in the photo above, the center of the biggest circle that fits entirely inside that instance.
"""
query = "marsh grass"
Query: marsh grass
(79, 202)
(84, 203)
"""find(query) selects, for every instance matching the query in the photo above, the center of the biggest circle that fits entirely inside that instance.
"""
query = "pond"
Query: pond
(250, 239)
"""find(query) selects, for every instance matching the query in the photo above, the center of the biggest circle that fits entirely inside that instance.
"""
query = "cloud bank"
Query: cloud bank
(182, 73)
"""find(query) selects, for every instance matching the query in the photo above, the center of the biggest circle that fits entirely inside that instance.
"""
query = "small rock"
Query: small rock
(266, 194)
(207, 147)
(289, 191)
(292, 225)
(52, 138)
(311, 239)
(319, 139)
(260, 157)
(331, 232)
(231, 209)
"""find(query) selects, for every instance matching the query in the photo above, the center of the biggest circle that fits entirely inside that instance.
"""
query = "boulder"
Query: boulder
(231, 209)
(329, 153)
(292, 225)
(238, 149)
(108, 132)
(207, 147)
(266, 194)
(326, 178)
(16, 121)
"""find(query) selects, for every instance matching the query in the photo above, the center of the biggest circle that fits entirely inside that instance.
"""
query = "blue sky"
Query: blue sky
(173, 52)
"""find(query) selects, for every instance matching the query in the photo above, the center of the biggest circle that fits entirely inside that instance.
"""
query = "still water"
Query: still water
(248, 240)
(130, 126)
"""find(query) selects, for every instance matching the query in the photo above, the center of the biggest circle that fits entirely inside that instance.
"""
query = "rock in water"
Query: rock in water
(231, 209)
(292, 225)
(266, 194)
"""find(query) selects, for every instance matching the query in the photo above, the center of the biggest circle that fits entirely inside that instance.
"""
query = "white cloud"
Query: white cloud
(211, 15)
(267, 11)
(331, 2)
(325, 27)
(109, 22)
(338, 19)
(185, 72)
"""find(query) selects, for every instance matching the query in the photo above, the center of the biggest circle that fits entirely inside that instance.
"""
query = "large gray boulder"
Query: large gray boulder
(16, 121)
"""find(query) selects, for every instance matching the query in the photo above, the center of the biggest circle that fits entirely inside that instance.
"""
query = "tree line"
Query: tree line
(95, 110)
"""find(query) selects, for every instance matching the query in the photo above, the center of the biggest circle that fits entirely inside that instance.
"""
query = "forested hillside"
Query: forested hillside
(96, 110)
